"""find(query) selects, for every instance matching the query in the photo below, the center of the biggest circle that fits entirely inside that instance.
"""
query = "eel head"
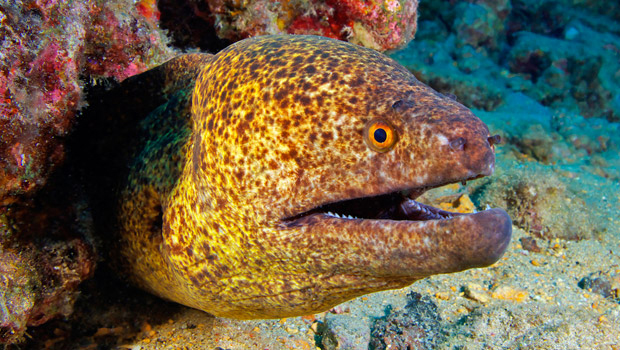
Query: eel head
(306, 160)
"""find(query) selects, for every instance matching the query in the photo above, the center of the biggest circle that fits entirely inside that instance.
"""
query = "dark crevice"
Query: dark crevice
(190, 24)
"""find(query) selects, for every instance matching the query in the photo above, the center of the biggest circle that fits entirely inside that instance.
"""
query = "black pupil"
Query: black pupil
(380, 135)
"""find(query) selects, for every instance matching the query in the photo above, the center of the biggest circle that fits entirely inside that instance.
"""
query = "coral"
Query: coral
(196, 30)
(382, 25)
(44, 255)
(38, 285)
(46, 48)
(459, 203)
(17, 295)
(535, 132)
(45, 252)
(478, 24)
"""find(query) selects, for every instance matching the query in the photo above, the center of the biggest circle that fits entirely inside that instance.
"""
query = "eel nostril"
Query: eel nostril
(401, 105)
(494, 140)
(458, 143)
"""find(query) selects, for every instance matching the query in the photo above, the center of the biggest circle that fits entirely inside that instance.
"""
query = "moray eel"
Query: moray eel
(278, 178)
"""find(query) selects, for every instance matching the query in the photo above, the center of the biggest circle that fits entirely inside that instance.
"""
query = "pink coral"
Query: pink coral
(45, 47)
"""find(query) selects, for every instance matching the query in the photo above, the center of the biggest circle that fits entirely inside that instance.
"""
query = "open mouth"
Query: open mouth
(399, 206)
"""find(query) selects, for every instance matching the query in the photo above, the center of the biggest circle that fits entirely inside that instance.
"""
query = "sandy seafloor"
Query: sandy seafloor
(557, 286)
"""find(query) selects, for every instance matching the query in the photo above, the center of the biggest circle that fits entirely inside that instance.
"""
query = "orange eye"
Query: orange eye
(380, 135)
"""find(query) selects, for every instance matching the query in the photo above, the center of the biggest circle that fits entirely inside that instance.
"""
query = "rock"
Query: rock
(38, 285)
(47, 48)
(46, 251)
(477, 293)
(345, 332)
(417, 326)
(539, 204)
(510, 293)
(530, 244)
(603, 283)
(555, 52)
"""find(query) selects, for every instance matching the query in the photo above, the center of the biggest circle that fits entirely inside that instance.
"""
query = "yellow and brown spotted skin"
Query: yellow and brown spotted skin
(276, 128)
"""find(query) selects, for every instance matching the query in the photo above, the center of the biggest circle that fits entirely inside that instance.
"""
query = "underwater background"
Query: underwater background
(545, 75)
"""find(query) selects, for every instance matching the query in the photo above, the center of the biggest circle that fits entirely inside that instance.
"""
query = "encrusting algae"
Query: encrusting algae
(278, 178)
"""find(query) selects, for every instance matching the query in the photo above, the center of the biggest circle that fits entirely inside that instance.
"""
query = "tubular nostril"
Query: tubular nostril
(451, 96)
(401, 105)
(458, 143)
(494, 140)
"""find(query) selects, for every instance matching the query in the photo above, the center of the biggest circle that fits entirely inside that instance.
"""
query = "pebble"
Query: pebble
(530, 244)
(571, 33)
(477, 293)
(509, 293)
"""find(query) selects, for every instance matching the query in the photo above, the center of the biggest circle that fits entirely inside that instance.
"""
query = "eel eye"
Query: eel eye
(380, 135)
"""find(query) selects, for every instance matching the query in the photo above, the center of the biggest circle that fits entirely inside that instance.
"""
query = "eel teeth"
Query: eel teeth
(343, 216)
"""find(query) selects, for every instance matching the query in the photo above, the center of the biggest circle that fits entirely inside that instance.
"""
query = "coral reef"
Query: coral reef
(40, 284)
(382, 25)
(533, 132)
(46, 48)
(563, 54)
(543, 165)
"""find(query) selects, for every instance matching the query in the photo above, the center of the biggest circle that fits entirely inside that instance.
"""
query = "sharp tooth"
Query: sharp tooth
(488, 207)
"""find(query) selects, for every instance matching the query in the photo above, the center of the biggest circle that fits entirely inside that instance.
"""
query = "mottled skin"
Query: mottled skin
(210, 213)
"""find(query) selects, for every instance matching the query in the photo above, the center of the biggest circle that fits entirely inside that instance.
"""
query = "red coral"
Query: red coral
(148, 9)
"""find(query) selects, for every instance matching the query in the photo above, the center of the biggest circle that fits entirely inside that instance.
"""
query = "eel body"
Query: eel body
(279, 176)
